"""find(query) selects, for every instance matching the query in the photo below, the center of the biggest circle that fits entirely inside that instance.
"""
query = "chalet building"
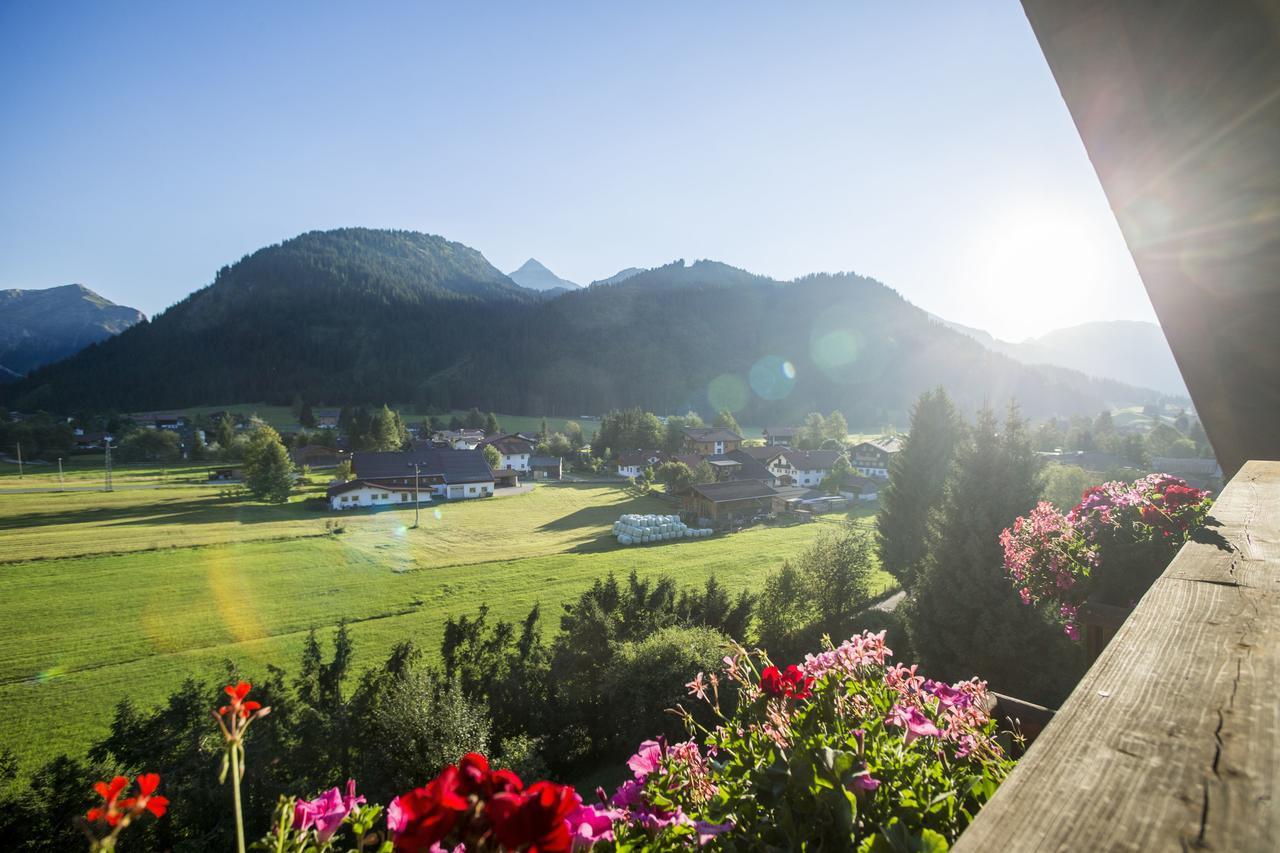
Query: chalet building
(459, 439)
(326, 418)
(546, 467)
(729, 502)
(632, 464)
(318, 456)
(383, 479)
(515, 450)
(871, 458)
(780, 436)
(803, 468)
(711, 441)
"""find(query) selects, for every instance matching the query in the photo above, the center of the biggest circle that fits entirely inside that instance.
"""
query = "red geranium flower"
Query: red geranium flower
(147, 799)
(238, 706)
(792, 683)
(476, 779)
(425, 816)
(535, 820)
(110, 792)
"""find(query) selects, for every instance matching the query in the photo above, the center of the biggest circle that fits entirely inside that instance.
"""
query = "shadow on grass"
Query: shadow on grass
(211, 510)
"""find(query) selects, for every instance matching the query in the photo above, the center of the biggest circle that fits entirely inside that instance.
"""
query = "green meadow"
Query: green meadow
(127, 593)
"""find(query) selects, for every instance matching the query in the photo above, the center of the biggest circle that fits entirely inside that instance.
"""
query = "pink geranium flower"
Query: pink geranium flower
(646, 759)
(327, 811)
(589, 824)
(914, 721)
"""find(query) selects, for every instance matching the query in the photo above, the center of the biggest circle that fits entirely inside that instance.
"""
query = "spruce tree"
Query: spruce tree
(268, 471)
(966, 620)
(491, 426)
(917, 475)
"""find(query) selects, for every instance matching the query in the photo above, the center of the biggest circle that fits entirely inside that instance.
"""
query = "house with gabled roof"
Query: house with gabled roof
(804, 468)
(871, 458)
(514, 449)
(780, 436)
(383, 479)
(710, 441)
(729, 502)
(633, 462)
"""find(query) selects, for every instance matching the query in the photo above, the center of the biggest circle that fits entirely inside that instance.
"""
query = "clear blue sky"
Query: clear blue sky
(924, 144)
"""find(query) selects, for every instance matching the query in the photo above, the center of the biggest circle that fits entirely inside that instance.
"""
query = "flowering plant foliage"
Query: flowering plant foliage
(842, 752)
(1110, 547)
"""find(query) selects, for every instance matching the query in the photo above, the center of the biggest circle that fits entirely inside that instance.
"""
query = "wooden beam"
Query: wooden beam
(1178, 105)
(1172, 739)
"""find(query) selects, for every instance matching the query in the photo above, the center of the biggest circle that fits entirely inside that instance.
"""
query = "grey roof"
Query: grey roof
(812, 460)
(887, 443)
(511, 444)
(764, 454)
(544, 461)
(456, 466)
(752, 468)
(734, 490)
(641, 457)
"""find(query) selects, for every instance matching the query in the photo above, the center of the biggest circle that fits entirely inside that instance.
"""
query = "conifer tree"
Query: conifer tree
(964, 615)
(491, 426)
(917, 475)
(268, 471)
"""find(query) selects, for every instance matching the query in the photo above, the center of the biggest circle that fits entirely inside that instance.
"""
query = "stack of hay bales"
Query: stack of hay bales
(632, 529)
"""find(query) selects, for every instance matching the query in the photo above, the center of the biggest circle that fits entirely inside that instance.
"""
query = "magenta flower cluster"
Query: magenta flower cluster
(1054, 559)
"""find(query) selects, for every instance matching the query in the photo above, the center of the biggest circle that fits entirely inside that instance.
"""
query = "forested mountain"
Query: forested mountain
(369, 316)
(619, 276)
(1130, 351)
(534, 276)
(41, 326)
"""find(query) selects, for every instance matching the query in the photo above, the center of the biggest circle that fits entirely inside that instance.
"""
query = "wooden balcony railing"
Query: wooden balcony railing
(1172, 739)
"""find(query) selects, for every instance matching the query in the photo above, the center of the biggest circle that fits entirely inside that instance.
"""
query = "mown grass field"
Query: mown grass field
(125, 594)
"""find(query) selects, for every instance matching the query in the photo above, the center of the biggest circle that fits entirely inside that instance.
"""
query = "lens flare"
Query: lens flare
(772, 377)
(728, 391)
(438, 514)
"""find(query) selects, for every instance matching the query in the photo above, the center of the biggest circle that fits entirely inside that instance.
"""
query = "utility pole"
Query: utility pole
(61, 483)
(417, 472)
(19, 460)
(107, 484)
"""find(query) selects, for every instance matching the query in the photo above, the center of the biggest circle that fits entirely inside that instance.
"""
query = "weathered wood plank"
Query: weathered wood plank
(1172, 739)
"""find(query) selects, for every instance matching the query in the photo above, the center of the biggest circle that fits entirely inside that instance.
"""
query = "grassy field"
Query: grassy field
(128, 593)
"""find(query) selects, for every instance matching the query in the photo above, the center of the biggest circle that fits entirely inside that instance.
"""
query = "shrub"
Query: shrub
(1109, 548)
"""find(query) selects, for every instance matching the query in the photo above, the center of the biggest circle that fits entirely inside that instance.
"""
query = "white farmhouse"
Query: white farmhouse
(632, 464)
(515, 450)
(383, 479)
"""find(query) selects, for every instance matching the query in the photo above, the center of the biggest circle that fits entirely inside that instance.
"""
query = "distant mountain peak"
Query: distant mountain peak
(620, 276)
(534, 275)
(1130, 351)
(45, 325)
